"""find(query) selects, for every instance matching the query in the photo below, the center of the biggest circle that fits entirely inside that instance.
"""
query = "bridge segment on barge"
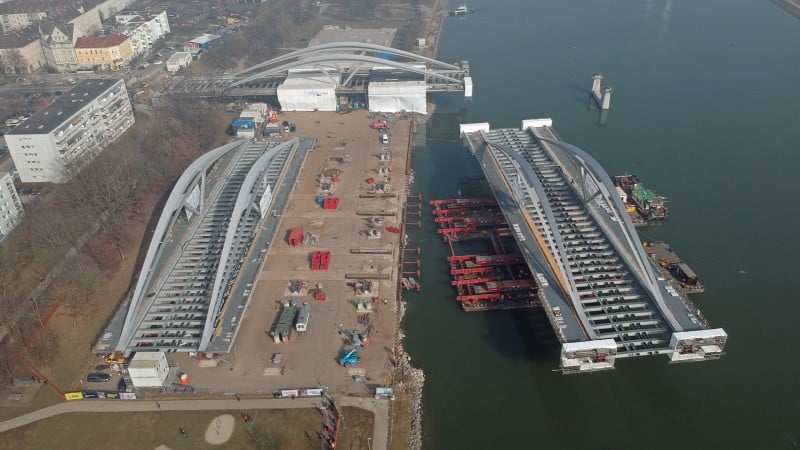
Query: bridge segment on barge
(604, 297)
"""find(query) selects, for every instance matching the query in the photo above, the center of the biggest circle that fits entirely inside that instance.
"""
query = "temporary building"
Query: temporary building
(393, 90)
(309, 90)
(148, 369)
(178, 61)
(251, 114)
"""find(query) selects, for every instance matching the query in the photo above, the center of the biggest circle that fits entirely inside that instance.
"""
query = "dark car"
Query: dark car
(98, 377)
(57, 93)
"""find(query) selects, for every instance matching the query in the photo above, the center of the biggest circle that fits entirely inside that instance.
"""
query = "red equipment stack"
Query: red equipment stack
(320, 260)
(295, 236)
(330, 204)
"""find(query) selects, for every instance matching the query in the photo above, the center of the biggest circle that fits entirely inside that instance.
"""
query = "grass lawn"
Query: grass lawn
(357, 426)
(273, 429)
(401, 421)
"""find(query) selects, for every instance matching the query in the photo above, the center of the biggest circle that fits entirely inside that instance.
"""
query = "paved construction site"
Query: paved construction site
(360, 231)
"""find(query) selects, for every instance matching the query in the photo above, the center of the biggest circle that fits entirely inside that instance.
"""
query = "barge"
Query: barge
(673, 267)
(643, 205)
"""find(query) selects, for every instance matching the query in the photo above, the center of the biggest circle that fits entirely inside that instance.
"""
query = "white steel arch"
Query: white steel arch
(326, 62)
(175, 204)
(342, 48)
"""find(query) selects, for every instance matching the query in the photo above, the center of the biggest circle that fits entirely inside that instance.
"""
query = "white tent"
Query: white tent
(395, 96)
(309, 90)
(393, 90)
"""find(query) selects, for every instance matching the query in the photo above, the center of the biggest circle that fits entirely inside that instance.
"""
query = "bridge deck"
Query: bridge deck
(592, 286)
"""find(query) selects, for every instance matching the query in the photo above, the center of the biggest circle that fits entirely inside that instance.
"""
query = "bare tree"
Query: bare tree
(10, 306)
(42, 348)
(80, 285)
(13, 61)
(11, 364)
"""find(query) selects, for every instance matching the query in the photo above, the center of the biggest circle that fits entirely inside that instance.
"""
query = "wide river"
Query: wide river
(705, 111)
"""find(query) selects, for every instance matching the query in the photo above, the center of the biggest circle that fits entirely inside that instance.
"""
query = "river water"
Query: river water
(705, 112)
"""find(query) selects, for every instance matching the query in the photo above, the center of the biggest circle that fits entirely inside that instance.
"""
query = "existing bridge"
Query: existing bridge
(350, 65)
(218, 219)
(602, 294)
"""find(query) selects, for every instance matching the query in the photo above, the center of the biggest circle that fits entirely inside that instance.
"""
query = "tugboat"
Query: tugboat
(461, 10)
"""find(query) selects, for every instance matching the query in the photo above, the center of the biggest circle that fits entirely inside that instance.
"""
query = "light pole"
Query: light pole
(369, 443)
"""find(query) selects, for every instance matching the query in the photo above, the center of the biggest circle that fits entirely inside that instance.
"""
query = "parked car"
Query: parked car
(98, 377)
(158, 62)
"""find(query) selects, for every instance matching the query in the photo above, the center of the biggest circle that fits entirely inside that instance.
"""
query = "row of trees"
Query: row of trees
(102, 200)
(269, 30)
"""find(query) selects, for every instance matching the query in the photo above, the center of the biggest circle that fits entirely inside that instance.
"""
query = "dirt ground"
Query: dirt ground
(311, 358)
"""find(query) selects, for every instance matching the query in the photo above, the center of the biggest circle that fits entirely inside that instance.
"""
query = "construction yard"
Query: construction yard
(348, 201)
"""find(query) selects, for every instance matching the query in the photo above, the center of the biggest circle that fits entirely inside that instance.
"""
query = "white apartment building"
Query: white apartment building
(144, 29)
(10, 206)
(62, 138)
(110, 7)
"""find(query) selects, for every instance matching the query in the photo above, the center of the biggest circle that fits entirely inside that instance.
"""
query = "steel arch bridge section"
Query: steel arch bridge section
(329, 61)
(245, 201)
(606, 186)
(533, 186)
(345, 47)
(194, 175)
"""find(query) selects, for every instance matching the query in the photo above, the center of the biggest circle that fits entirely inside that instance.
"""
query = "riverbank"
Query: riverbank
(407, 414)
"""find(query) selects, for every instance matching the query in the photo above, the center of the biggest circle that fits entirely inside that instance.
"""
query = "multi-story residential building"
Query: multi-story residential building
(109, 8)
(143, 28)
(60, 139)
(21, 14)
(10, 207)
(58, 45)
(12, 20)
(85, 18)
(21, 52)
(104, 52)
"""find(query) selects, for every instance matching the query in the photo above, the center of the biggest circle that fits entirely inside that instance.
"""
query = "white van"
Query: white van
(384, 138)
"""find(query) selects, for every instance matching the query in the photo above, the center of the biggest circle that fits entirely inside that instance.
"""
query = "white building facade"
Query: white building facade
(144, 29)
(178, 61)
(10, 207)
(59, 140)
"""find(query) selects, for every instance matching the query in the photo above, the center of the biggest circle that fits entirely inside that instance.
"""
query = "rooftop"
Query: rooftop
(109, 40)
(178, 56)
(391, 75)
(205, 38)
(19, 38)
(123, 17)
(64, 107)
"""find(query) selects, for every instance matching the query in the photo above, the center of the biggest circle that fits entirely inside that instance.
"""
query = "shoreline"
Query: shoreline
(409, 378)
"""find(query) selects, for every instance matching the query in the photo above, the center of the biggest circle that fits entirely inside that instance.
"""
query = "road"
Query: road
(380, 408)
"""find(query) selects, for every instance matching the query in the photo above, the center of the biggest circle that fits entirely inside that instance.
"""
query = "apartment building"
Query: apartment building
(144, 29)
(62, 138)
(21, 52)
(58, 45)
(108, 52)
(10, 207)
(10, 20)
